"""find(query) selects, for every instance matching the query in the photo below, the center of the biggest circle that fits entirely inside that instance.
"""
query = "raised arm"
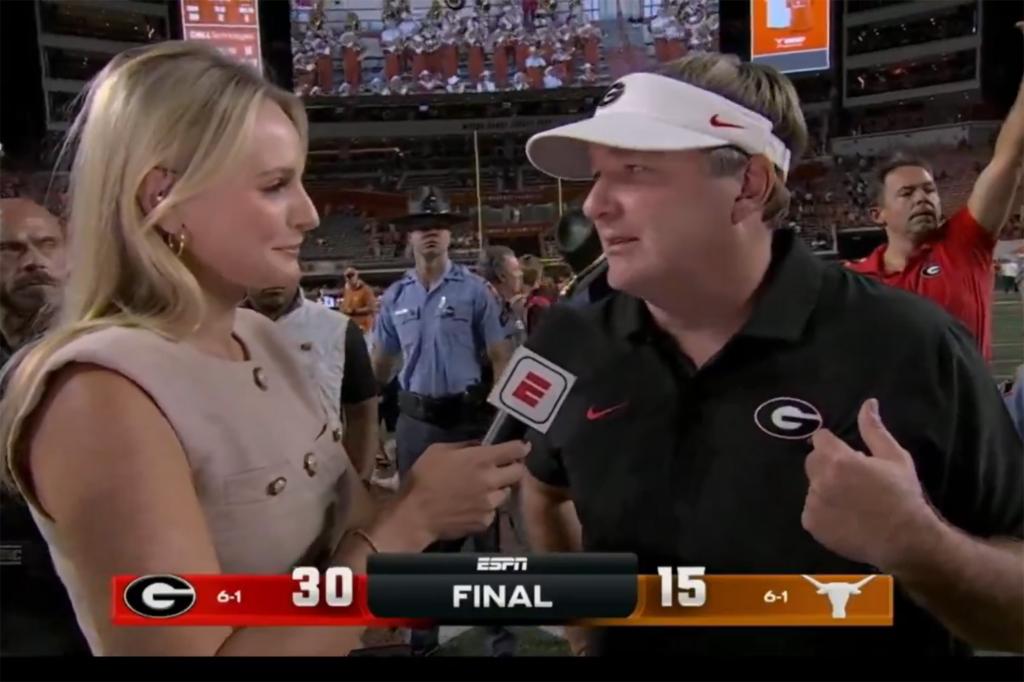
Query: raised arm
(991, 200)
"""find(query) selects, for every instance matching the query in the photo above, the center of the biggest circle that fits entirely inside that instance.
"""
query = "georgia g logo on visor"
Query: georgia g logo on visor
(614, 93)
(159, 596)
(788, 418)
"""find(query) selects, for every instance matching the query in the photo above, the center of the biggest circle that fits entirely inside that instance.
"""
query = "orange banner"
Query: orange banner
(680, 598)
(781, 26)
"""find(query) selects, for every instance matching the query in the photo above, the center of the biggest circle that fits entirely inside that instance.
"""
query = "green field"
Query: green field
(1007, 334)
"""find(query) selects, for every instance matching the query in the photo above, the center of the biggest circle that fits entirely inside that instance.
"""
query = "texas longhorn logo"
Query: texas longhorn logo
(838, 593)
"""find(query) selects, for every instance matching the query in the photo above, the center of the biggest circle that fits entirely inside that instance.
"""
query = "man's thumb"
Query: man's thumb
(874, 434)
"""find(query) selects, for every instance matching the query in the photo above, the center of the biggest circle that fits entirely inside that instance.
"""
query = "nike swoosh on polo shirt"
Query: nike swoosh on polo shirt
(593, 414)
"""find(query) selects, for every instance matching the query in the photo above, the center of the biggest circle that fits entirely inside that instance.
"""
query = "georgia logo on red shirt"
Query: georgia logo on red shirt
(931, 270)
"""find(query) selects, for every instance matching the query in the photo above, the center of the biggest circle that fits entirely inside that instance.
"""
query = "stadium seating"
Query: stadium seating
(840, 196)
(834, 196)
(337, 237)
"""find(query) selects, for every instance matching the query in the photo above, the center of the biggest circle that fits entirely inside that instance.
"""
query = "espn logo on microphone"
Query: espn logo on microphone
(532, 389)
(159, 596)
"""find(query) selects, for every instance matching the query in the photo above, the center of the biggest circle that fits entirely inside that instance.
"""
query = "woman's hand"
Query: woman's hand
(453, 490)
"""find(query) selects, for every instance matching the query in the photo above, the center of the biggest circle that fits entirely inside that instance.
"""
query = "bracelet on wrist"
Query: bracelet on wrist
(364, 536)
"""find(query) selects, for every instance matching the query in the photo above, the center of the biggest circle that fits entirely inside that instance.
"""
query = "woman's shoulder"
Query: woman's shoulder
(76, 400)
(112, 341)
(92, 363)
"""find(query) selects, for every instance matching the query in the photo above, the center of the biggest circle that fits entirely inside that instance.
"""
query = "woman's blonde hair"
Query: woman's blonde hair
(179, 106)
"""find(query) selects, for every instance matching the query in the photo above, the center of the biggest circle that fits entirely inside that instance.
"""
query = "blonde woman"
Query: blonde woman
(158, 429)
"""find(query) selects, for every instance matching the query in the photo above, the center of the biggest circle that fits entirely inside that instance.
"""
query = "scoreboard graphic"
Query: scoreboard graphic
(791, 35)
(232, 26)
(542, 589)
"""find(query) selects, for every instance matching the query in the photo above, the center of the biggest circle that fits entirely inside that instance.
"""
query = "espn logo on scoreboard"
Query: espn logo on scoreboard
(501, 563)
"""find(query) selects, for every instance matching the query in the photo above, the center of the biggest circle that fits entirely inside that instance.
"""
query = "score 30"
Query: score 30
(332, 587)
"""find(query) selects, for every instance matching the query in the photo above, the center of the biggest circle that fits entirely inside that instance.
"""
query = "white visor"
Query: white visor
(649, 112)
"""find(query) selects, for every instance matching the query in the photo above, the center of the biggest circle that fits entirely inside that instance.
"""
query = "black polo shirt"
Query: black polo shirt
(705, 467)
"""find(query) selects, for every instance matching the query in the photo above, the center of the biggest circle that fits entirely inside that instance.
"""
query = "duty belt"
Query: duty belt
(444, 411)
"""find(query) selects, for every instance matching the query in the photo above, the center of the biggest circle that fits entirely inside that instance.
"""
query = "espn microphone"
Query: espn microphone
(540, 374)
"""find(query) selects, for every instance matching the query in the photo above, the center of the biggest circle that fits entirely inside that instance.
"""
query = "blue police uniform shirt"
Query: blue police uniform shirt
(441, 333)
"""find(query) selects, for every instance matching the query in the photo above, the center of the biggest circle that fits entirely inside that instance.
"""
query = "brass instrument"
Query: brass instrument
(584, 276)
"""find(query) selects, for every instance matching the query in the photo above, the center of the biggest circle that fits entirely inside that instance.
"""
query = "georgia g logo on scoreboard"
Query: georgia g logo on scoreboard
(159, 596)
(532, 389)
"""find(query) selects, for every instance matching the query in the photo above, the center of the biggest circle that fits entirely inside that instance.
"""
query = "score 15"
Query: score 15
(689, 589)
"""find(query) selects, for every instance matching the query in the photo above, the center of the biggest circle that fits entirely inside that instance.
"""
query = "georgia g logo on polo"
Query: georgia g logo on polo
(159, 596)
(931, 270)
(788, 418)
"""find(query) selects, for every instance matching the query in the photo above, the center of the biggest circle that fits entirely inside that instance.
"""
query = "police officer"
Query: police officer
(724, 348)
(434, 325)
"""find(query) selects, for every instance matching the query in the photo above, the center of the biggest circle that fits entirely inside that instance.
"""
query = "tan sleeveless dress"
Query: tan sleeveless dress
(267, 460)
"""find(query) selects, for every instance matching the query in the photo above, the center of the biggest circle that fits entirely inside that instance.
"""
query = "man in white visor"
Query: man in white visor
(742, 407)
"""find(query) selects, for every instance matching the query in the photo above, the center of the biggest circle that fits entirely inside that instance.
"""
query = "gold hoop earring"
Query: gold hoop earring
(176, 243)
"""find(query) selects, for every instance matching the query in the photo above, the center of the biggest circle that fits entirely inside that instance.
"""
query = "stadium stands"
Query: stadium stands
(337, 237)
(831, 194)
(840, 192)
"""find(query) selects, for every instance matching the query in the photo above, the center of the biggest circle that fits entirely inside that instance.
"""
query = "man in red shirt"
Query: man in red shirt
(948, 262)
